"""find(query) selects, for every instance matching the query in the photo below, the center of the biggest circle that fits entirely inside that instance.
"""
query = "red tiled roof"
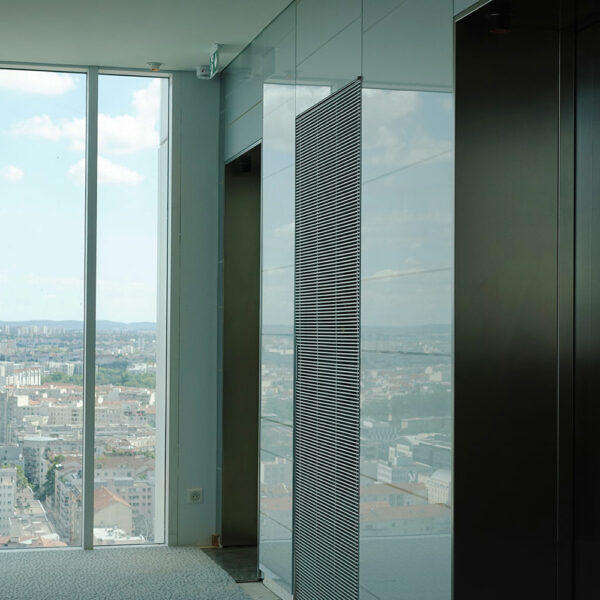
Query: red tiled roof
(44, 543)
(104, 497)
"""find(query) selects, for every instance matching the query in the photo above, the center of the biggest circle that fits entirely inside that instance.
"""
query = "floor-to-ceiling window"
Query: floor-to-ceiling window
(42, 212)
(128, 471)
(45, 158)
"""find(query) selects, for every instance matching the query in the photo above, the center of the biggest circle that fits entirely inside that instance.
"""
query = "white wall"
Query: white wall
(193, 313)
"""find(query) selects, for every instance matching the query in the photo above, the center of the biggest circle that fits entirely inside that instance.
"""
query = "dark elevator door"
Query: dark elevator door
(587, 319)
(527, 368)
(506, 354)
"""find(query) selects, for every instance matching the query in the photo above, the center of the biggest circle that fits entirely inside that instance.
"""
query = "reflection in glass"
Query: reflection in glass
(277, 351)
(406, 388)
(42, 211)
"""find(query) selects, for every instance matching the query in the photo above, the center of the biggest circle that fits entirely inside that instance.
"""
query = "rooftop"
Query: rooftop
(104, 497)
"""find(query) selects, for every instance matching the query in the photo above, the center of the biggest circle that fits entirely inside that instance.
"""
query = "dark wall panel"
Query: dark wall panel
(506, 307)
(587, 328)
(241, 343)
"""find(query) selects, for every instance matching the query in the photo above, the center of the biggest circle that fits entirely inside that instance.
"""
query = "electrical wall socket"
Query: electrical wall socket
(194, 496)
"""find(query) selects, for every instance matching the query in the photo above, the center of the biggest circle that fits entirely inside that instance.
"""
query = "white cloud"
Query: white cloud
(396, 149)
(397, 133)
(36, 82)
(385, 106)
(276, 95)
(40, 126)
(447, 102)
(108, 172)
(285, 231)
(118, 135)
(12, 173)
(395, 274)
(117, 286)
(126, 134)
(54, 282)
(307, 95)
(280, 102)
(146, 101)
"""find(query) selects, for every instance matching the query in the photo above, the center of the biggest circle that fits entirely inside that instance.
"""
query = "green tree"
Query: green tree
(22, 481)
(114, 373)
(47, 490)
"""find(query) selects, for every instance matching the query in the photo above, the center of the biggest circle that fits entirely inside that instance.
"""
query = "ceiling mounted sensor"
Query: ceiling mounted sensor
(203, 71)
(154, 66)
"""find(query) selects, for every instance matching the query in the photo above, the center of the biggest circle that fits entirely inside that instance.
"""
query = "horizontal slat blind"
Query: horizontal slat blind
(327, 333)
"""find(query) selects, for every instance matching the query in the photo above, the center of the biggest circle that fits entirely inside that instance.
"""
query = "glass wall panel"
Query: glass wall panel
(130, 407)
(277, 48)
(406, 318)
(42, 212)
(403, 50)
(328, 42)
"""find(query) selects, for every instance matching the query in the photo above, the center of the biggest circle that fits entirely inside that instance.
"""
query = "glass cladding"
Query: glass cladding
(403, 49)
(129, 406)
(406, 302)
(277, 45)
(406, 388)
(42, 211)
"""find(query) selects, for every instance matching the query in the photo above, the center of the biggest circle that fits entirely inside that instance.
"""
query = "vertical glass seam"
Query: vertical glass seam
(89, 377)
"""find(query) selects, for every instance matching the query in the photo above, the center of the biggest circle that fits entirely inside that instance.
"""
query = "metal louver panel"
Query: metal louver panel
(327, 333)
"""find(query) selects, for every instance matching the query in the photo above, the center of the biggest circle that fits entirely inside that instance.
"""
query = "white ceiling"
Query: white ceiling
(129, 33)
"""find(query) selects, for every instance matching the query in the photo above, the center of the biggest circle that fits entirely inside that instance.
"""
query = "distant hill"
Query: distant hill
(429, 328)
(100, 325)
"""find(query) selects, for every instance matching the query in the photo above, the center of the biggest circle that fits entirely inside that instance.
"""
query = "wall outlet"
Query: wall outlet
(194, 496)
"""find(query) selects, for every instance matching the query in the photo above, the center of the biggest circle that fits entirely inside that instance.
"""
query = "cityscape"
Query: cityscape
(41, 434)
(405, 447)
(405, 457)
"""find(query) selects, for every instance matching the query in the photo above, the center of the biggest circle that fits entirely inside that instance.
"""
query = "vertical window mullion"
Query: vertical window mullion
(89, 377)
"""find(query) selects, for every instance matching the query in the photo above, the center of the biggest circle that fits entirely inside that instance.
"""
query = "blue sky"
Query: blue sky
(407, 200)
(42, 196)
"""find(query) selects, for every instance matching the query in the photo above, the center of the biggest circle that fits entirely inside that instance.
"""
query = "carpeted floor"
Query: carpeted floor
(115, 574)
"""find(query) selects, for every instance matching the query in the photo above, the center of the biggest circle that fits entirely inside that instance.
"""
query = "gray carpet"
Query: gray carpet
(114, 574)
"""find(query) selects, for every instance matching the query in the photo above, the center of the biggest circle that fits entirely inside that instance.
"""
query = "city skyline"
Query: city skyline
(41, 436)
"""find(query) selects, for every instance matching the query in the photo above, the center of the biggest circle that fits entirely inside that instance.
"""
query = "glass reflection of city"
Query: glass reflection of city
(406, 340)
(406, 427)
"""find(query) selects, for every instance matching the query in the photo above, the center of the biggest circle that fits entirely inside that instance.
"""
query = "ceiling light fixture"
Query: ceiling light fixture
(154, 66)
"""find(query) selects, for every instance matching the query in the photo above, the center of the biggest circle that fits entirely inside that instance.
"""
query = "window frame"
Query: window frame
(165, 288)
